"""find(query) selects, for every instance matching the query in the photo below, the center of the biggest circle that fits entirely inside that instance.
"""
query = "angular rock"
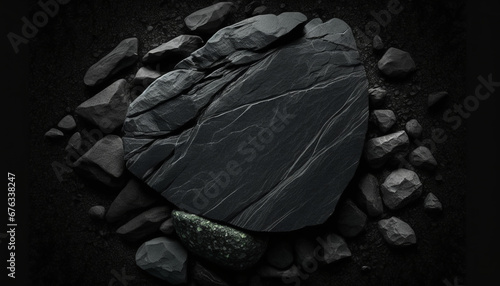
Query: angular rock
(304, 252)
(334, 248)
(235, 108)
(208, 20)
(220, 244)
(368, 195)
(181, 46)
(135, 196)
(261, 10)
(54, 133)
(270, 272)
(97, 212)
(350, 220)
(280, 255)
(144, 224)
(422, 157)
(396, 63)
(384, 119)
(104, 162)
(414, 129)
(74, 142)
(67, 123)
(205, 277)
(167, 227)
(379, 150)
(145, 76)
(377, 96)
(400, 188)
(397, 232)
(377, 43)
(432, 203)
(164, 258)
(121, 57)
(108, 108)
(436, 98)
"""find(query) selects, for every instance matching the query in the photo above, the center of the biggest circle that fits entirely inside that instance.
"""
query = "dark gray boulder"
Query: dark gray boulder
(422, 157)
(67, 123)
(209, 19)
(108, 108)
(104, 162)
(379, 150)
(74, 142)
(377, 43)
(400, 188)
(164, 258)
(121, 57)
(202, 135)
(144, 224)
(134, 196)
(384, 119)
(223, 245)
(350, 220)
(397, 232)
(396, 63)
(181, 46)
(368, 195)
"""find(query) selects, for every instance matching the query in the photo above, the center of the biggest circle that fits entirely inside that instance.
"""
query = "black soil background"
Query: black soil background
(67, 248)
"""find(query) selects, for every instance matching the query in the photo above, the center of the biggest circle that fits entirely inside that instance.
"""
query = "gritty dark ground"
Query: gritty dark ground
(67, 248)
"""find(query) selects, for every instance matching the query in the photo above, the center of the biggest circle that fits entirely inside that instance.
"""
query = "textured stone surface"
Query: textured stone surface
(432, 203)
(220, 244)
(205, 277)
(396, 63)
(350, 220)
(397, 232)
(67, 123)
(209, 19)
(164, 258)
(124, 55)
(414, 129)
(379, 150)
(104, 162)
(181, 46)
(384, 119)
(280, 255)
(204, 141)
(400, 188)
(334, 248)
(436, 98)
(145, 76)
(368, 195)
(108, 108)
(54, 133)
(144, 224)
(422, 157)
(377, 96)
(134, 196)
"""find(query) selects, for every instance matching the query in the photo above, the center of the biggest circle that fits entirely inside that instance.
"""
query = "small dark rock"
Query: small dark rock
(350, 220)
(422, 157)
(396, 63)
(400, 188)
(397, 232)
(368, 195)
(377, 96)
(205, 277)
(414, 129)
(377, 43)
(379, 150)
(67, 123)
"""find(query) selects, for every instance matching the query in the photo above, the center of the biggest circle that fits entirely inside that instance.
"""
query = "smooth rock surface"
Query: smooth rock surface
(74, 142)
(334, 248)
(144, 224)
(108, 108)
(54, 133)
(280, 255)
(396, 63)
(134, 196)
(124, 55)
(414, 129)
(67, 124)
(181, 46)
(145, 76)
(261, 10)
(422, 157)
(400, 188)
(350, 220)
(104, 162)
(220, 244)
(397, 232)
(384, 119)
(209, 19)
(379, 150)
(164, 258)
(368, 195)
(97, 212)
(204, 141)
(432, 203)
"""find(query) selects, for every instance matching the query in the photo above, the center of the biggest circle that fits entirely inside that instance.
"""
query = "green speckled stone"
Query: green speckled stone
(223, 245)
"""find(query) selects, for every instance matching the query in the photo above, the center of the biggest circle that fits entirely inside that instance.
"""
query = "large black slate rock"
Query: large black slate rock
(261, 128)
